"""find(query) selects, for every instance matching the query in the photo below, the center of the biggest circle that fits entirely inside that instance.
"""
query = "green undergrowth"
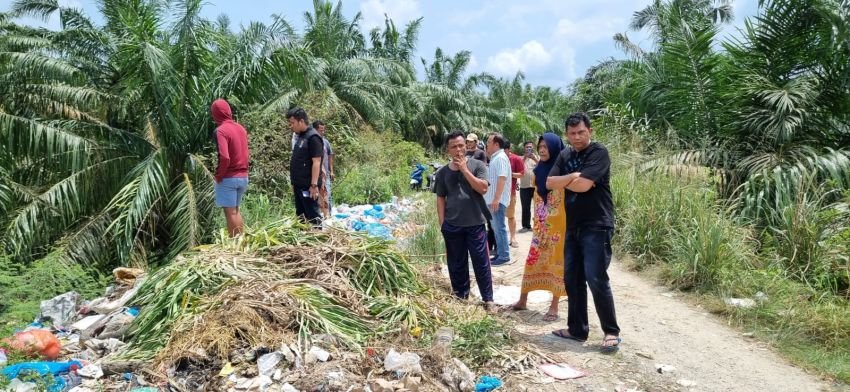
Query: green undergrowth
(370, 166)
(427, 245)
(676, 227)
(24, 285)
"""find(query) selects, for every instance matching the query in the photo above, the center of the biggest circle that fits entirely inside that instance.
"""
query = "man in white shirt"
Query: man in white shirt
(498, 195)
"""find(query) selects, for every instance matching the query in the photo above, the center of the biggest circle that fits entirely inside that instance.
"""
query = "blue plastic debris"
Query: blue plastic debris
(487, 384)
(42, 369)
(376, 212)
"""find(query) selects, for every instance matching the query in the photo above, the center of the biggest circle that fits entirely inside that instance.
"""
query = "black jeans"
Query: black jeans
(463, 244)
(526, 195)
(306, 208)
(587, 254)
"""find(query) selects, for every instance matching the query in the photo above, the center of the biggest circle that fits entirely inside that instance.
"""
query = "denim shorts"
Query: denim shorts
(229, 192)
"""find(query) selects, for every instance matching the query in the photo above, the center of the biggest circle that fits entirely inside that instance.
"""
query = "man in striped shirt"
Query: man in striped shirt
(498, 195)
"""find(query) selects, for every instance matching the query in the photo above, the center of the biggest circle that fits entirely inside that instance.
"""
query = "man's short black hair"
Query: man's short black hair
(498, 139)
(298, 114)
(576, 119)
(507, 143)
(317, 123)
(527, 142)
(454, 134)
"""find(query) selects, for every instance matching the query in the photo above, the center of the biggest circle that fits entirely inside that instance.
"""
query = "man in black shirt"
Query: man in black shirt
(472, 150)
(585, 172)
(305, 166)
(460, 188)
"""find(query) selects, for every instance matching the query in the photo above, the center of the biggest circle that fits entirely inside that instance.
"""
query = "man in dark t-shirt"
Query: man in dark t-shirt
(585, 172)
(305, 166)
(472, 150)
(460, 188)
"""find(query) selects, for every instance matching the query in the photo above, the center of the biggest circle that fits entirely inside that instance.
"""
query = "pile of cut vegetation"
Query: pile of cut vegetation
(319, 310)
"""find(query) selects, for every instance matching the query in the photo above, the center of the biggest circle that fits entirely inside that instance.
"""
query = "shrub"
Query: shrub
(24, 286)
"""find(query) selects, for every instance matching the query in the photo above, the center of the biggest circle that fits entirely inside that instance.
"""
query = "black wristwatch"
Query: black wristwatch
(314, 185)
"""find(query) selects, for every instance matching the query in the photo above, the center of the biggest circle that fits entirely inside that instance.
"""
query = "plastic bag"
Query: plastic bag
(403, 363)
(36, 342)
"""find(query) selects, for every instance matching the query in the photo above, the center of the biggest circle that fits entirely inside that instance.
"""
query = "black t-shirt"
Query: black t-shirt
(594, 208)
(301, 174)
(463, 204)
(477, 154)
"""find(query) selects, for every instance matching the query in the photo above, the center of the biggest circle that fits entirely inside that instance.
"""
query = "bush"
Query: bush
(24, 286)
(373, 167)
(370, 167)
(800, 263)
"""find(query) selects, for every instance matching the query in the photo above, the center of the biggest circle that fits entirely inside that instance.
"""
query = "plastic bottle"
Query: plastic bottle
(443, 342)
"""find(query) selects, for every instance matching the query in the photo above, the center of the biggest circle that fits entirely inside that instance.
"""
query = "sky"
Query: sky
(553, 42)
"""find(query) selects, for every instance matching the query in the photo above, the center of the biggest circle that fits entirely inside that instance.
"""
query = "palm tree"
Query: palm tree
(129, 170)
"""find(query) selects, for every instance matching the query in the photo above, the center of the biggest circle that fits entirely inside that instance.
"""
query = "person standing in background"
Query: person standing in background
(526, 185)
(517, 170)
(498, 196)
(327, 169)
(231, 175)
(305, 167)
(472, 149)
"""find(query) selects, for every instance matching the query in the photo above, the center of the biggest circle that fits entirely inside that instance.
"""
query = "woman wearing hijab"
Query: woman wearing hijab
(544, 266)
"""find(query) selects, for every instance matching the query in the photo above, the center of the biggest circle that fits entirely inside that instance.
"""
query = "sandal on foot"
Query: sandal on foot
(612, 348)
(550, 317)
(564, 334)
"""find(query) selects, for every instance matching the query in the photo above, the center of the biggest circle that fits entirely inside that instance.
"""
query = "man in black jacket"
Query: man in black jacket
(305, 166)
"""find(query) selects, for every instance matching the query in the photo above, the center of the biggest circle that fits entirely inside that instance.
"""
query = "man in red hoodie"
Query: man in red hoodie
(231, 176)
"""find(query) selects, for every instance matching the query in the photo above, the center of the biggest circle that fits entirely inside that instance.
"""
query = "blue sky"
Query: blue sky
(552, 41)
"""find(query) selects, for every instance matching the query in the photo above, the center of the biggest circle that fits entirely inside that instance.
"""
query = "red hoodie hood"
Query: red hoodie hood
(220, 111)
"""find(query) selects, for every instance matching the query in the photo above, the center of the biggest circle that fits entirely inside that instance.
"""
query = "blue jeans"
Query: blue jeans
(229, 192)
(328, 186)
(463, 244)
(587, 254)
(500, 230)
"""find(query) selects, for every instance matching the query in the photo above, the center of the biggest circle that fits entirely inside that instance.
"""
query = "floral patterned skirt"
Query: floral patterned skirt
(544, 266)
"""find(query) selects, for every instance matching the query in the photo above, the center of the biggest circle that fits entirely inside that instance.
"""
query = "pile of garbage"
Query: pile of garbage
(282, 308)
(69, 347)
(384, 221)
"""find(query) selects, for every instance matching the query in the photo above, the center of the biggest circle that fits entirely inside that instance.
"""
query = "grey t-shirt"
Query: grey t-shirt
(328, 152)
(463, 204)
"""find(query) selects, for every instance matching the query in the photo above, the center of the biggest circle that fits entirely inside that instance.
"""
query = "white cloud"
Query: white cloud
(588, 31)
(530, 56)
(400, 11)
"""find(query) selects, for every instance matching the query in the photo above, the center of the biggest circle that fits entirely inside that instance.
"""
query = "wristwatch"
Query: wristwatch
(314, 185)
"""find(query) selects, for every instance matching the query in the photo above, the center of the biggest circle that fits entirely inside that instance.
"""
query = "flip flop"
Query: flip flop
(613, 348)
(566, 335)
(550, 317)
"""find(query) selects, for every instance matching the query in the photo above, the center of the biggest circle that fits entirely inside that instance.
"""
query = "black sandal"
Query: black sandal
(566, 335)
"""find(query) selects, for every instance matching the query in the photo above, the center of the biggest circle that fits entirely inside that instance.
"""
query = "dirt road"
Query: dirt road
(657, 328)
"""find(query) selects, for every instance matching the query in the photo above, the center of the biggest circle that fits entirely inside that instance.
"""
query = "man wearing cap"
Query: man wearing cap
(472, 149)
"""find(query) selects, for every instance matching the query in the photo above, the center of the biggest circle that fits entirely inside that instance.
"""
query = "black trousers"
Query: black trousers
(306, 208)
(526, 195)
(587, 254)
(465, 244)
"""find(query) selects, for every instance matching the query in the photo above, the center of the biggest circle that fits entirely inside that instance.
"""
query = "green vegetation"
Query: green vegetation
(23, 287)
(734, 167)
(732, 177)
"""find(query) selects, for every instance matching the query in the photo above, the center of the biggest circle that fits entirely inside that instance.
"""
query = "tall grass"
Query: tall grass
(678, 225)
(427, 244)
